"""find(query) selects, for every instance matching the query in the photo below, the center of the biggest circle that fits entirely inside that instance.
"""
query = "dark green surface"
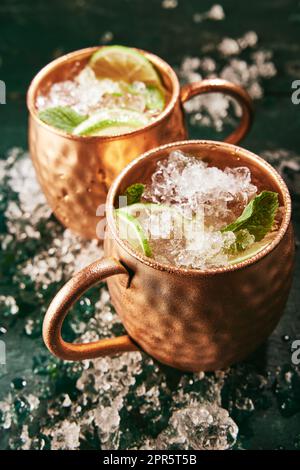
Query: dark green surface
(32, 33)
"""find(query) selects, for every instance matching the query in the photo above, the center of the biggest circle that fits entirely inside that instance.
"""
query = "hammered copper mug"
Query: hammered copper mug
(186, 318)
(75, 172)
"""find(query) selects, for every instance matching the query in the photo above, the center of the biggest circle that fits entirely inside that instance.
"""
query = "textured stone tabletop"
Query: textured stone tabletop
(129, 401)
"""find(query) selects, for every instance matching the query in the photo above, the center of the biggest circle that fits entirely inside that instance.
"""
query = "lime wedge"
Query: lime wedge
(123, 63)
(110, 122)
(149, 222)
(131, 230)
(111, 129)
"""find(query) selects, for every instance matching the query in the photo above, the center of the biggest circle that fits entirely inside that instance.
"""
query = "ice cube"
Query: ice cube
(201, 427)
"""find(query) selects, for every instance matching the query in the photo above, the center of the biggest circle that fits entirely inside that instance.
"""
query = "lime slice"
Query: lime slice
(123, 63)
(131, 230)
(253, 249)
(175, 225)
(180, 225)
(110, 122)
(111, 129)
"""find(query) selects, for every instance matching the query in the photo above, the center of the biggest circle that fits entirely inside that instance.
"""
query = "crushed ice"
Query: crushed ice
(87, 94)
(193, 187)
(108, 394)
(216, 13)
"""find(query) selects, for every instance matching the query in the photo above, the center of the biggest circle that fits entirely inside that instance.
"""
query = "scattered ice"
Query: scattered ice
(189, 65)
(8, 305)
(248, 40)
(216, 13)
(33, 401)
(229, 46)
(106, 37)
(6, 412)
(109, 379)
(100, 323)
(65, 435)
(208, 65)
(197, 427)
(213, 109)
(29, 327)
(264, 67)
(25, 439)
(67, 256)
(107, 420)
(23, 216)
(244, 403)
(151, 398)
(169, 4)
(115, 374)
(43, 269)
(67, 402)
(22, 180)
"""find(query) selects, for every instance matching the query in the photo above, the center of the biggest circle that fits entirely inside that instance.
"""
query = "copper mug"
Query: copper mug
(189, 319)
(75, 172)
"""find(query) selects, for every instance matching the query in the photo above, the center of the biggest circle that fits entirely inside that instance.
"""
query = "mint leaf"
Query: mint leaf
(134, 193)
(258, 216)
(154, 98)
(61, 117)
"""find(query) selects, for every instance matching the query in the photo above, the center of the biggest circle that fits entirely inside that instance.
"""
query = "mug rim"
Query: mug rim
(192, 271)
(162, 65)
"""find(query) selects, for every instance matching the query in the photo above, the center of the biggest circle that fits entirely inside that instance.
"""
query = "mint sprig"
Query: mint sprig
(134, 193)
(257, 217)
(62, 117)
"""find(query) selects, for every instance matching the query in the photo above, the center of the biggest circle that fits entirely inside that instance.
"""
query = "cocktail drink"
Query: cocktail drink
(194, 215)
(94, 110)
(118, 91)
(198, 257)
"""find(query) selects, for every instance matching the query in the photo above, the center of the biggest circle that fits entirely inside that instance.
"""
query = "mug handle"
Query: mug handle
(63, 301)
(217, 85)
